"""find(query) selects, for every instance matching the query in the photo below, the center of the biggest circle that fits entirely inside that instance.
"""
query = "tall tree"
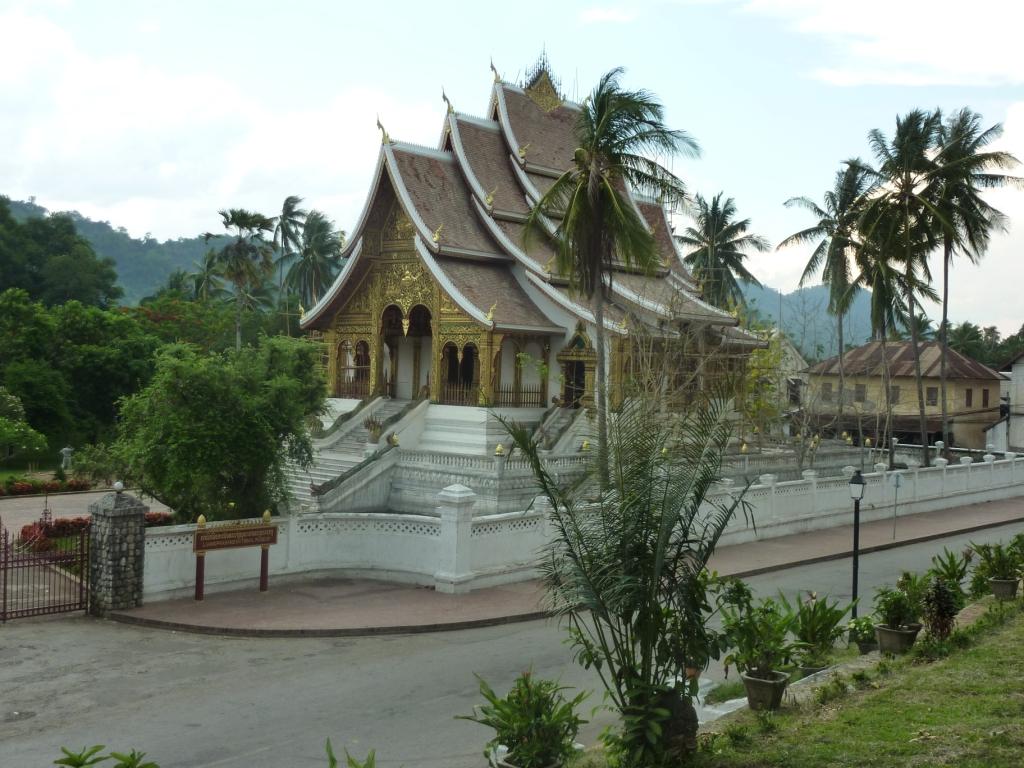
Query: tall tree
(287, 231)
(247, 259)
(966, 167)
(835, 233)
(617, 132)
(316, 260)
(208, 278)
(903, 218)
(720, 244)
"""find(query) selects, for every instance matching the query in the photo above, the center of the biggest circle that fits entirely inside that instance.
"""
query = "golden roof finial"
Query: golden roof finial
(302, 312)
(494, 69)
(522, 151)
(447, 101)
(489, 199)
(436, 237)
(490, 312)
(384, 138)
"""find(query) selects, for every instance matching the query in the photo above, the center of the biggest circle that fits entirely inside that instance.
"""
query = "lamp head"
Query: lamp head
(857, 486)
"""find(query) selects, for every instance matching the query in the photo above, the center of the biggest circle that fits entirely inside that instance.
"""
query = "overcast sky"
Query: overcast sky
(153, 115)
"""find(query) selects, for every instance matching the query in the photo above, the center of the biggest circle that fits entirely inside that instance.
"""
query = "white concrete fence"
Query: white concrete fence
(454, 550)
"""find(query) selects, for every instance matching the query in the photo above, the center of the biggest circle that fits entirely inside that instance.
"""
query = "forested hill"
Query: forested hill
(142, 265)
(806, 321)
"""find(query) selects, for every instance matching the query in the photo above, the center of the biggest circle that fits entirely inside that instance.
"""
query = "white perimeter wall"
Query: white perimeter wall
(455, 551)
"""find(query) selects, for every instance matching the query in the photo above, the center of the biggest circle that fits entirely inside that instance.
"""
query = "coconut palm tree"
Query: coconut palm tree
(207, 279)
(287, 233)
(719, 245)
(902, 217)
(966, 168)
(835, 233)
(316, 259)
(617, 132)
(247, 259)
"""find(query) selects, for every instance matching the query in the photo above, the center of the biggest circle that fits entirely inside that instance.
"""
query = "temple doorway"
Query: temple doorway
(575, 374)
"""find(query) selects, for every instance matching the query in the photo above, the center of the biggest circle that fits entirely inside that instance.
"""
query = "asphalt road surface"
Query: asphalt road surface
(200, 702)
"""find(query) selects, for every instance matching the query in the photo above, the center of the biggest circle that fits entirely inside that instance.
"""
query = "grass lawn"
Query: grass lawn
(965, 711)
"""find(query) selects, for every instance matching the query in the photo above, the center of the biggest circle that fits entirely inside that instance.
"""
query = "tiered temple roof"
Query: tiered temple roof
(468, 200)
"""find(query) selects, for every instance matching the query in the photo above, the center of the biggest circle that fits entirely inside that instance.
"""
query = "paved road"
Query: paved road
(199, 702)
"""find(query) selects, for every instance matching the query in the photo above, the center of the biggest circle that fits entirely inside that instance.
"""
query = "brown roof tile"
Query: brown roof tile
(547, 136)
(866, 360)
(654, 215)
(488, 157)
(490, 286)
(442, 199)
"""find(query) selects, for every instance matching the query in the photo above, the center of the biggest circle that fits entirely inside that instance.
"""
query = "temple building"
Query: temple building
(440, 298)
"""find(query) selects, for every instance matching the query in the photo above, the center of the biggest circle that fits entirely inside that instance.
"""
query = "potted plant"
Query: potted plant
(940, 606)
(898, 628)
(374, 427)
(862, 632)
(817, 626)
(535, 726)
(1001, 567)
(759, 637)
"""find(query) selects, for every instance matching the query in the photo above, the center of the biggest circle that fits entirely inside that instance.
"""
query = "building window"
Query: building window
(826, 391)
(894, 395)
(860, 393)
(984, 398)
(969, 397)
(932, 396)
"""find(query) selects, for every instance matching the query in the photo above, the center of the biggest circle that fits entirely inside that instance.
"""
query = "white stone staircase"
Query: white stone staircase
(333, 458)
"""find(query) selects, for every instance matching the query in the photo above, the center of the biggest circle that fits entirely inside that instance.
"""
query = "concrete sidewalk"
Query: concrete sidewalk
(342, 607)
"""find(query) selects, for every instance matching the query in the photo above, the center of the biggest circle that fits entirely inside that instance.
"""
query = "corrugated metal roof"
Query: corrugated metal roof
(866, 360)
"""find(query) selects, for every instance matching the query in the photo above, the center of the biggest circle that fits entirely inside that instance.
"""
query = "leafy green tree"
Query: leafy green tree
(719, 246)
(627, 570)
(287, 240)
(902, 217)
(617, 132)
(223, 461)
(966, 167)
(247, 259)
(835, 233)
(317, 258)
(16, 436)
(207, 278)
(48, 259)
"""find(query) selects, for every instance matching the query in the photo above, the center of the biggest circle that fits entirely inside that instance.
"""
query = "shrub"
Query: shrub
(952, 568)
(759, 637)
(894, 608)
(818, 625)
(941, 606)
(996, 561)
(156, 519)
(862, 629)
(535, 721)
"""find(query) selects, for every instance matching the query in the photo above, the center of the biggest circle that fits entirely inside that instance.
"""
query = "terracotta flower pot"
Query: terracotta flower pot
(765, 694)
(1003, 589)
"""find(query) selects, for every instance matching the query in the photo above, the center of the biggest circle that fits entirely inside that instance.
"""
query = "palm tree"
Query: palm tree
(720, 244)
(247, 260)
(902, 216)
(287, 231)
(966, 168)
(207, 279)
(616, 132)
(966, 339)
(316, 259)
(836, 233)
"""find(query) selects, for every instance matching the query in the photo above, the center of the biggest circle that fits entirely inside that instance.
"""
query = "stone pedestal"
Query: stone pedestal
(117, 548)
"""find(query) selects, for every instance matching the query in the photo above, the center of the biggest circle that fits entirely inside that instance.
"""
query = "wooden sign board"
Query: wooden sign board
(232, 536)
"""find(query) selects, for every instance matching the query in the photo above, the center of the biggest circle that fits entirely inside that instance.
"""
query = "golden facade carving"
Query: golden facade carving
(542, 92)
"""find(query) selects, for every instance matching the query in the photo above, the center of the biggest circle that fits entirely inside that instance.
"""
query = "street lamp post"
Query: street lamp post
(856, 493)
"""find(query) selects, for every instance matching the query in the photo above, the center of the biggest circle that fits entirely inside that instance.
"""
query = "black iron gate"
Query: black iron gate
(43, 570)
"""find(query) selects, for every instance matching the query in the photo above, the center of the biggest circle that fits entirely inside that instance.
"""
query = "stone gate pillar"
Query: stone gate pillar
(117, 548)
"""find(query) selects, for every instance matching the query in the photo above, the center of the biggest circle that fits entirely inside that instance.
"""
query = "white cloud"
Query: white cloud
(910, 42)
(607, 15)
(159, 151)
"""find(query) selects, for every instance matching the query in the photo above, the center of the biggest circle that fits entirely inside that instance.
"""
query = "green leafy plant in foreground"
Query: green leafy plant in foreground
(894, 607)
(350, 762)
(759, 636)
(997, 561)
(952, 568)
(86, 757)
(818, 625)
(941, 605)
(862, 629)
(534, 721)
